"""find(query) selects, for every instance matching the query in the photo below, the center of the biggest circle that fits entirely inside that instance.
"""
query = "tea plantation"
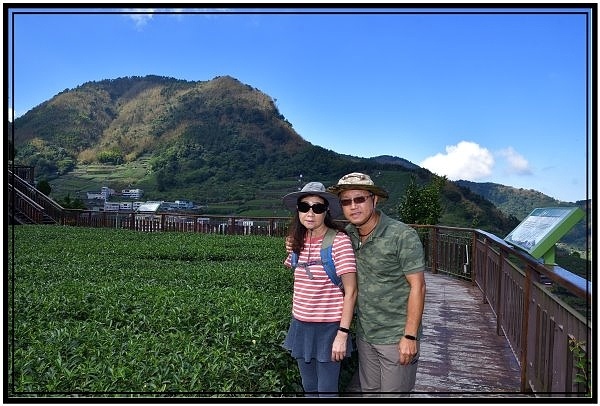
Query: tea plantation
(109, 312)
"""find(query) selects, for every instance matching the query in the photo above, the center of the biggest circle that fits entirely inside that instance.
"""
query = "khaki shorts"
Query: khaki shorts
(380, 371)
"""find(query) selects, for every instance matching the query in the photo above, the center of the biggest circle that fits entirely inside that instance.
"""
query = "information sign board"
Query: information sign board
(542, 229)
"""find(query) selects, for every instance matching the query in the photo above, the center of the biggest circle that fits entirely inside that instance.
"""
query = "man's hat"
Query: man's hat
(360, 181)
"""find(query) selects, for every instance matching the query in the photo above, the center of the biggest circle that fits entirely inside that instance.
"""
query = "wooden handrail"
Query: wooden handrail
(51, 208)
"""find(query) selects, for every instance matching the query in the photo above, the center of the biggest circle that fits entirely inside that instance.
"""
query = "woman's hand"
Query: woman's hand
(338, 350)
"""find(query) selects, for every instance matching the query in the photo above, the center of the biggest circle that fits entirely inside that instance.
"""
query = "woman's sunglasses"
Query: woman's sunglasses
(317, 208)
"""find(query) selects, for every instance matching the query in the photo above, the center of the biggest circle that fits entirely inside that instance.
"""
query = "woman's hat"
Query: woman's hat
(314, 189)
(357, 180)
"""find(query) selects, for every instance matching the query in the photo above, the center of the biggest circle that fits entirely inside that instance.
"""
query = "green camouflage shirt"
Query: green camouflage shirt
(392, 251)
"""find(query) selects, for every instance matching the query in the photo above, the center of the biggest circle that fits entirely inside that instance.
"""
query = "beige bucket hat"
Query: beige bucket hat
(357, 180)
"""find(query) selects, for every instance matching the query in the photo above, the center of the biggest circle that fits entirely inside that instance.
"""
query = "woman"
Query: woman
(318, 336)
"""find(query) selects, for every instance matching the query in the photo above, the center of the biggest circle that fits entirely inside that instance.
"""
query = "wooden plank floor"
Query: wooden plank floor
(461, 354)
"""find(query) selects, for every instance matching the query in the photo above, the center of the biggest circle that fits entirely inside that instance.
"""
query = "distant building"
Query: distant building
(132, 193)
(104, 194)
(122, 206)
(95, 195)
(111, 206)
(149, 207)
(125, 206)
(184, 204)
(107, 192)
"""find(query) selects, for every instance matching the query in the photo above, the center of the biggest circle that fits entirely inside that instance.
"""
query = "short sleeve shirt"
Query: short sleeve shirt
(393, 251)
(316, 299)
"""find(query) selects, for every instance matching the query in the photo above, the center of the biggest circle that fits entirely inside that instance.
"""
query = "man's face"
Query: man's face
(358, 205)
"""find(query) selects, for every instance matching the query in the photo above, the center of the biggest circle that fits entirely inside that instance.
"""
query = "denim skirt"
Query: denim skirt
(309, 340)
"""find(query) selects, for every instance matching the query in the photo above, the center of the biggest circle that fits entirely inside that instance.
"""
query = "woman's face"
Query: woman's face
(310, 219)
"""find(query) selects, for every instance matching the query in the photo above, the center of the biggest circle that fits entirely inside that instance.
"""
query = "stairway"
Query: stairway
(27, 205)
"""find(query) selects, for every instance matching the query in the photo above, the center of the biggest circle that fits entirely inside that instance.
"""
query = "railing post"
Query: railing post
(473, 257)
(525, 327)
(485, 270)
(499, 294)
(232, 229)
(434, 253)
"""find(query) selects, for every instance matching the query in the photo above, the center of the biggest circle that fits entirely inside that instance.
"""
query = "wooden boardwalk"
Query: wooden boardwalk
(461, 354)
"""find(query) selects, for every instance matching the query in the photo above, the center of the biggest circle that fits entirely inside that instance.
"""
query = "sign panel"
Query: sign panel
(542, 229)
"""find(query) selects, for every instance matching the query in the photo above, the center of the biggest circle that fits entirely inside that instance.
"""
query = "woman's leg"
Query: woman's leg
(308, 372)
(328, 374)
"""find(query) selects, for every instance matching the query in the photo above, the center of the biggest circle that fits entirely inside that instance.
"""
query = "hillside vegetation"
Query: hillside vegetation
(220, 143)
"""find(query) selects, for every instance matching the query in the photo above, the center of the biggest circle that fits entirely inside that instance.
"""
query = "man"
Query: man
(391, 288)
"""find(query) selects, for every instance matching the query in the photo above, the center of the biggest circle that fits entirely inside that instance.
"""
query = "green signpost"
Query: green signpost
(542, 229)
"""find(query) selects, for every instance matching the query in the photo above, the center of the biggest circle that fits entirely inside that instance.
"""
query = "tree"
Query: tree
(69, 203)
(11, 150)
(44, 187)
(422, 204)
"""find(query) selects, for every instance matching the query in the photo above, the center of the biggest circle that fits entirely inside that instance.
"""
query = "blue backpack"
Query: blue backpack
(326, 258)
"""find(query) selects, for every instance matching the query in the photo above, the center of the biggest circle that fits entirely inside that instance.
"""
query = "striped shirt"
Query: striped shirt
(316, 298)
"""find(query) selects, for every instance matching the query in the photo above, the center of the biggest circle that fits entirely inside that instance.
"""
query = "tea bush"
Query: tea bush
(109, 312)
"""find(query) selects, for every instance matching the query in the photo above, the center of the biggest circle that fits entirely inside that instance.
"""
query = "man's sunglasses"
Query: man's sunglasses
(356, 200)
(317, 208)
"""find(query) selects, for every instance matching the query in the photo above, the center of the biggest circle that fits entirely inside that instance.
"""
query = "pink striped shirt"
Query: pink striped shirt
(318, 299)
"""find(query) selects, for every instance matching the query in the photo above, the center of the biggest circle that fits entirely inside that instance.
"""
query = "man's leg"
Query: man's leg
(396, 378)
(369, 368)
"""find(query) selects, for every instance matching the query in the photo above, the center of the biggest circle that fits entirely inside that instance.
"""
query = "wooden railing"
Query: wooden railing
(538, 325)
(153, 222)
(19, 188)
(22, 204)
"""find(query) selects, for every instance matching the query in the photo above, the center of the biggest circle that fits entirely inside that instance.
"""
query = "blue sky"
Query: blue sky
(488, 95)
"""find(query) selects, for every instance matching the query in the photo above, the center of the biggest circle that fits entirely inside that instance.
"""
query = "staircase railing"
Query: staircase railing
(23, 208)
(50, 210)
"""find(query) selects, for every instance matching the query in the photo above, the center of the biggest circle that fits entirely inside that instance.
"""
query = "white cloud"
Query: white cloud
(141, 20)
(516, 162)
(466, 160)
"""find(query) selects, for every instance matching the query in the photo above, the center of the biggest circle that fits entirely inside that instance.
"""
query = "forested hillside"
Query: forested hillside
(219, 143)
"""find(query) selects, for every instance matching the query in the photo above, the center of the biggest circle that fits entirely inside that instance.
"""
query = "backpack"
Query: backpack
(326, 258)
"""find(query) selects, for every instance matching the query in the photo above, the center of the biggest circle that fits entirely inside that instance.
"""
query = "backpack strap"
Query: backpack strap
(327, 258)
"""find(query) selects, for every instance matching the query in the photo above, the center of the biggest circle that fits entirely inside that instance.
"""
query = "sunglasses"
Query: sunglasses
(317, 208)
(356, 200)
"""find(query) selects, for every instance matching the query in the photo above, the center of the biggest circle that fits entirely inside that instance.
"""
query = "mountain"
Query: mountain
(219, 143)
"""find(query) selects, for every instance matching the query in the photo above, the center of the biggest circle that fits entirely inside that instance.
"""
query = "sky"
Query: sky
(498, 95)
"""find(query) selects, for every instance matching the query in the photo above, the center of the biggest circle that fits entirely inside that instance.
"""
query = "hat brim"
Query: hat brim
(290, 201)
(337, 189)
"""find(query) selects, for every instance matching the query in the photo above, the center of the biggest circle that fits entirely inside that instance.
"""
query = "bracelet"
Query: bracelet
(409, 337)
(344, 330)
